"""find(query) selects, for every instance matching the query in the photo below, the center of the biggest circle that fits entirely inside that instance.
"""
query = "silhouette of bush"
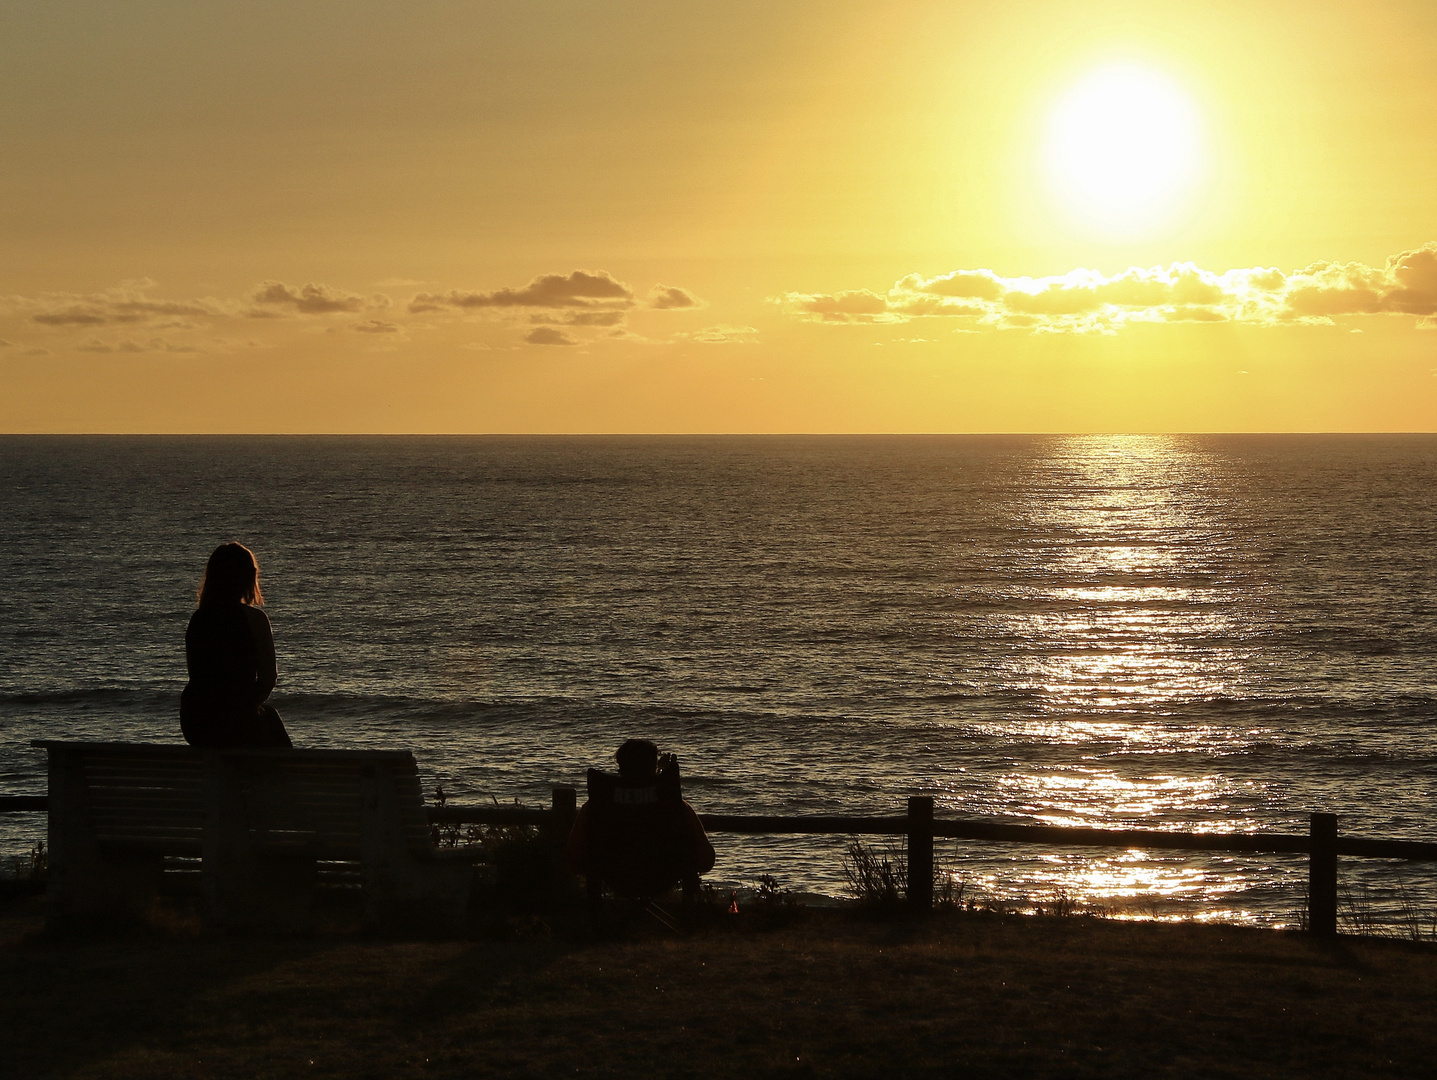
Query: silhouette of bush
(1358, 914)
(25, 875)
(518, 860)
(774, 904)
(1059, 905)
(876, 878)
(950, 894)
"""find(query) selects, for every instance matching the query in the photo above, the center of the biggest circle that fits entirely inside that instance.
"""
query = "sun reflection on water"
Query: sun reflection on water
(1136, 595)
(1130, 609)
(1136, 884)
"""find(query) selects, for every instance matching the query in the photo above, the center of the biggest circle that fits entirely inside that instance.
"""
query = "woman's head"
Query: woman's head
(231, 577)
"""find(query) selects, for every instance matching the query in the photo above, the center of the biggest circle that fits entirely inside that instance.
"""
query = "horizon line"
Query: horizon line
(667, 434)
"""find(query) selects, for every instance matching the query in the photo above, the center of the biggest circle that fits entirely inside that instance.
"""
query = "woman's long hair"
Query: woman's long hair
(231, 577)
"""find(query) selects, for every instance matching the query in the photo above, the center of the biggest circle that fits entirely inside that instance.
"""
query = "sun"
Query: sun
(1123, 151)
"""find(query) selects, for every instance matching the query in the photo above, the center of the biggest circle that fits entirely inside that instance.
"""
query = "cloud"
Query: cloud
(114, 307)
(96, 345)
(855, 305)
(315, 299)
(219, 344)
(579, 289)
(132, 304)
(671, 297)
(580, 318)
(1406, 285)
(1084, 301)
(722, 334)
(974, 284)
(1087, 301)
(129, 345)
(547, 335)
(578, 299)
(1194, 313)
(74, 315)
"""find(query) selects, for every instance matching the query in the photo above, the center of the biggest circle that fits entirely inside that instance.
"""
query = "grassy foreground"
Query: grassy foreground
(832, 994)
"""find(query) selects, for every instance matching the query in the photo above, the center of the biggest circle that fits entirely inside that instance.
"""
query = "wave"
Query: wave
(86, 697)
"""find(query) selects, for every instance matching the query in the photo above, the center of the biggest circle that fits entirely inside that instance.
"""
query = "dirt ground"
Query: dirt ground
(830, 994)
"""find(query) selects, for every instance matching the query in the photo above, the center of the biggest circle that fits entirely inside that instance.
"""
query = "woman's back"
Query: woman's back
(229, 651)
(220, 653)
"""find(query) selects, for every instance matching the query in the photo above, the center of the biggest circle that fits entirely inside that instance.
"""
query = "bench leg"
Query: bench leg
(89, 885)
(247, 886)
(402, 890)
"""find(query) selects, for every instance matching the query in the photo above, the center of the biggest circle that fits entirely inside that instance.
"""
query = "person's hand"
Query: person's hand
(668, 761)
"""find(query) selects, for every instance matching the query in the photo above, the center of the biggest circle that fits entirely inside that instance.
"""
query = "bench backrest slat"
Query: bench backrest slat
(156, 793)
(135, 798)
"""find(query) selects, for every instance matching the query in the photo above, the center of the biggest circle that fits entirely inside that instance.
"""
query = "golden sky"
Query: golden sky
(554, 216)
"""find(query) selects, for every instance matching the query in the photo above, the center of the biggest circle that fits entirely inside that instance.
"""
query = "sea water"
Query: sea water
(1183, 632)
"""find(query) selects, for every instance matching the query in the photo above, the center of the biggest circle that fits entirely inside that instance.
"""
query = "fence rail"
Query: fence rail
(16, 804)
(919, 827)
(489, 815)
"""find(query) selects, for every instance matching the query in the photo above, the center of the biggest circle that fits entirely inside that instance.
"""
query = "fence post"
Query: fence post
(562, 803)
(1322, 876)
(920, 853)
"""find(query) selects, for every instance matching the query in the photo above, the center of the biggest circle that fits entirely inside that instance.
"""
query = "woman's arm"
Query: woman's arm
(266, 672)
(190, 649)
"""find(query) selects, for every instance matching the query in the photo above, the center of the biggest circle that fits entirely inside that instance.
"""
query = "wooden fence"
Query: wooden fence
(1321, 843)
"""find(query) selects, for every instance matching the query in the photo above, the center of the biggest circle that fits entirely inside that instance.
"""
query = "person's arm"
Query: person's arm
(577, 849)
(266, 672)
(703, 849)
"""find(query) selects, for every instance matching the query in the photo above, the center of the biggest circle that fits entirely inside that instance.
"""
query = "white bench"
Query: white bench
(260, 821)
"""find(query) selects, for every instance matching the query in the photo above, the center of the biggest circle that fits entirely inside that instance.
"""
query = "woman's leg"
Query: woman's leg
(200, 732)
(197, 724)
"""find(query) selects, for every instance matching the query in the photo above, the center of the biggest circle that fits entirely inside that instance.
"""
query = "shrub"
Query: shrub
(521, 858)
(876, 878)
(774, 904)
(1357, 914)
(1060, 904)
(950, 894)
(27, 873)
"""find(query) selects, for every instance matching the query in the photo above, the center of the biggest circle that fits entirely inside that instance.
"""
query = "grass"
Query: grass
(877, 878)
(1357, 913)
(970, 993)
(25, 875)
(777, 989)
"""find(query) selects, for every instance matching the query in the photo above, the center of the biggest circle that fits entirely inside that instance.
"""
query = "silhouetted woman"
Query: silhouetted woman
(229, 650)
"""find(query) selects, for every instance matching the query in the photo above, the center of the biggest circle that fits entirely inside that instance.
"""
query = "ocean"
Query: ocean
(1185, 632)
